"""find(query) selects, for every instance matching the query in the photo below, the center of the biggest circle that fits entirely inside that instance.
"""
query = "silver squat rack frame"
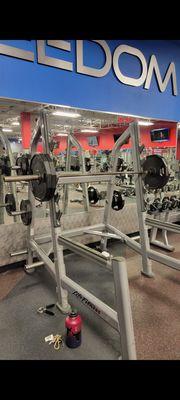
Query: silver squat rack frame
(122, 319)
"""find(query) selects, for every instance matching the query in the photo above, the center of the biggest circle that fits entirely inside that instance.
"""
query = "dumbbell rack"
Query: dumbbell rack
(161, 219)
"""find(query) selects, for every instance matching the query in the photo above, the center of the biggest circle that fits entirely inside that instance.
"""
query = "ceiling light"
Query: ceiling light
(15, 123)
(145, 123)
(66, 114)
(61, 105)
(7, 130)
(89, 130)
(61, 134)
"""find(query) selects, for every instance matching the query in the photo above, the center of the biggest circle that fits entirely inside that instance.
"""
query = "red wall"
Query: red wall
(106, 138)
(146, 139)
(26, 129)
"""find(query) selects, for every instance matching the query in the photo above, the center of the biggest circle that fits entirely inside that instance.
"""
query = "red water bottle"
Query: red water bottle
(73, 324)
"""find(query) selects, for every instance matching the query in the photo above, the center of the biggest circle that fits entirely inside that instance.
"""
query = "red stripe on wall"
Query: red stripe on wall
(26, 129)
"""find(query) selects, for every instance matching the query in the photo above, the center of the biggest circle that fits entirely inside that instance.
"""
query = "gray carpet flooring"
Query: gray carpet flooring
(22, 329)
(155, 310)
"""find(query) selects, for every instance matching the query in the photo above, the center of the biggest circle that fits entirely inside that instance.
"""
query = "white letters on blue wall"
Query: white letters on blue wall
(136, 77)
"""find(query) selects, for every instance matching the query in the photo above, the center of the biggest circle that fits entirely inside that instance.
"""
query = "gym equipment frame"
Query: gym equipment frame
(159, 223)
(72, 141)
(122, 320)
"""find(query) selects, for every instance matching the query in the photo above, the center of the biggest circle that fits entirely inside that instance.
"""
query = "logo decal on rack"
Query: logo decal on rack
(86, 302)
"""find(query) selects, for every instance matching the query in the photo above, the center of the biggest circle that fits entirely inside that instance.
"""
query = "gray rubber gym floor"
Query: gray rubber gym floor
(155, 310)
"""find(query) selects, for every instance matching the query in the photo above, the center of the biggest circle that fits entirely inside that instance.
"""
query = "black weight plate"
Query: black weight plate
(44, 188)
(119, 163)
(58, 215)
(26, 218)
(87, 164)
(117, 201)
(5, 165)
(156, 172)
(19, 163)
(174, 202)
(165, 203)
(93, 195)
(23, 163)
(9, 199)
(158, 204)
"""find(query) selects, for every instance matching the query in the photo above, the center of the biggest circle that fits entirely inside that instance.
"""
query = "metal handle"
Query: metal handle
(18, 253)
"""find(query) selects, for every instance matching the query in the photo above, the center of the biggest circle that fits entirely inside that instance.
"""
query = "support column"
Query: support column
(143, 230)
(1, 198)
(123, 306)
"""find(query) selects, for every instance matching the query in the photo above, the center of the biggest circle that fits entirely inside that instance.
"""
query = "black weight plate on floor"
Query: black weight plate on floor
(26, 218)
(9, 198)
(93, 195)
(44, 188)
(157, 174)
(117, 201)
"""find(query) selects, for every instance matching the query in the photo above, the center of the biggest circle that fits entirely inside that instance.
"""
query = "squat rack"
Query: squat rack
(120, 320)
(105, 230)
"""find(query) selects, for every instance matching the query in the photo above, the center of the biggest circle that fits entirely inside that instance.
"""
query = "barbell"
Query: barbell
(43, 176)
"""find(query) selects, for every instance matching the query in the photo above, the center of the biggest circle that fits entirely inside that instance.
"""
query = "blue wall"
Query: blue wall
(26, 80)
